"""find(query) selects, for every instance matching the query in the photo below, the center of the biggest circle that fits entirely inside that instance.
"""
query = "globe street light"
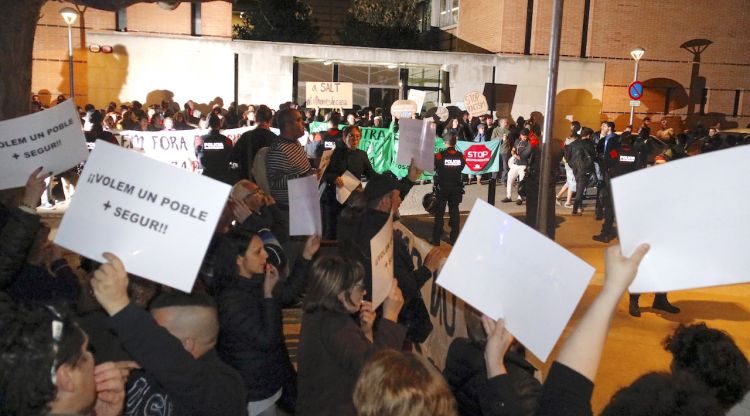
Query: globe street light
(636, 54)
(70, 16)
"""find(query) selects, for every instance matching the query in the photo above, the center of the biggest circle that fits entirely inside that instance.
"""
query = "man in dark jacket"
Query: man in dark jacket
(250, 142)
(213, 152)
(580, 155)
(449, 189)
(174, 345)
(358, 225)
(608, 141)
(18, 228)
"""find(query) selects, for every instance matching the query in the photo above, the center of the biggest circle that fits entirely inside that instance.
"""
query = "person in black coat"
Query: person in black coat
(449, 188)
(251, 337)
(333, 346)
(174, 344)
(358, 224)
(213, 152)
(346, 157)
(580, 155)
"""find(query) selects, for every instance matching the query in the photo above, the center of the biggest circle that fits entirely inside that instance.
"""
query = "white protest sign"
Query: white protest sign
(325, 160)
(403, 109)
(504, 268)
(381, 251)
(234, 134)
(695, 241)
(476, 103)
(304, 206)
(176, 147)
(416, 140)
(418, 96)
(329, 94)
(51, 139)
(351, 183)
(157, 219)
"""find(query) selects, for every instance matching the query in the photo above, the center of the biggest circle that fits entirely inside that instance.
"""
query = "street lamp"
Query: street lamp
(636, 54)
(70, 16)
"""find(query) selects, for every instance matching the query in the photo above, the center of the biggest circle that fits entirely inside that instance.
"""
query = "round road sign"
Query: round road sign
(635, 90)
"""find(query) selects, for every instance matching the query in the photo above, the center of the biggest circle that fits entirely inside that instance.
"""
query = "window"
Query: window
(448, 12)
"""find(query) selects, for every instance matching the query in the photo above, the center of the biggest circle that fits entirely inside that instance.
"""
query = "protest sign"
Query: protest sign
(325, 160)
(329, 94)
(51, 139)
(304, 206)
(495, 266)
(476, 103)
(381, 250)
(445, 309)
(442, 113)
(480, 157)
(695, 241)
(418, 97)
(416, 140)
(157, 219)
(351, 183)
(176, 147)
(402, 109)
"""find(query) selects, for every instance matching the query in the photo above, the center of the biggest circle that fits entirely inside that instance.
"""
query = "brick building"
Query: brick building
(211, 20)
(606, 31)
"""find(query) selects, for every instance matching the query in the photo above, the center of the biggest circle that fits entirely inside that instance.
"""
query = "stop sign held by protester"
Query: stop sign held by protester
(477, 157)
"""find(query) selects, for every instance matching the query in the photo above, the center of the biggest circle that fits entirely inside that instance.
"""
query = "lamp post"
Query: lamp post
(70, 16)
(636, 54)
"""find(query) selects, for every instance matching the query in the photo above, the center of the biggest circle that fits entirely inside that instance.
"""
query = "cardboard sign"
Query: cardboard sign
(51, 139)
(404, 109)
(381, 251)
(351, 183)
(329, 94)
(157, 219)
(695, 241)
(442, 114)
(418, 96)
(445, 309)
(304, 206)
(416, 140)
(476, 103)
(504, 268)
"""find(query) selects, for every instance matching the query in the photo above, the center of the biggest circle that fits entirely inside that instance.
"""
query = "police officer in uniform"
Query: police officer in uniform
(213, 151)
(622, 160)
(448, 188)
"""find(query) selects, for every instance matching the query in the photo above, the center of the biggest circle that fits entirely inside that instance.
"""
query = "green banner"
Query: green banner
(379, 145)
(403, 170)
(480, 157)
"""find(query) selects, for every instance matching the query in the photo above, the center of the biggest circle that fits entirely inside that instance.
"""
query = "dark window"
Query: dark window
(736, 109)
(195, 19)
(121, 20)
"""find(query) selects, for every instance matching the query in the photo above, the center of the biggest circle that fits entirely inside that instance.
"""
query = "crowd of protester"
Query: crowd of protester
(83, 338)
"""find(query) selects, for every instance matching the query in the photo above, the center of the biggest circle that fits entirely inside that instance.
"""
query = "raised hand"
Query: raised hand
(110, 284)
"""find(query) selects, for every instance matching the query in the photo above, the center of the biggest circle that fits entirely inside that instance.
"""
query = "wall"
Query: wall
(616, 27)
(50, 60)
(150, 68)
(266, 75)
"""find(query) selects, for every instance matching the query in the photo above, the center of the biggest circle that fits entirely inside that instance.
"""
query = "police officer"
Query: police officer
(625, 159)
(448, 188)
(213, 151)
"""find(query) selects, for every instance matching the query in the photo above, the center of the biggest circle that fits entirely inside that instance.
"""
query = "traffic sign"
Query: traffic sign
(635, 103)
(635, 90)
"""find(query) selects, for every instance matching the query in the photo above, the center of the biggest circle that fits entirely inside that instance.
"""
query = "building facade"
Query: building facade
(715, 90)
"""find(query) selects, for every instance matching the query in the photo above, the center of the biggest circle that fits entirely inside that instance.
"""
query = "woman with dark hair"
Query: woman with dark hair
(46, 368)
(712, 357)
(251, 337)
(344, 158)
(334, 347)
